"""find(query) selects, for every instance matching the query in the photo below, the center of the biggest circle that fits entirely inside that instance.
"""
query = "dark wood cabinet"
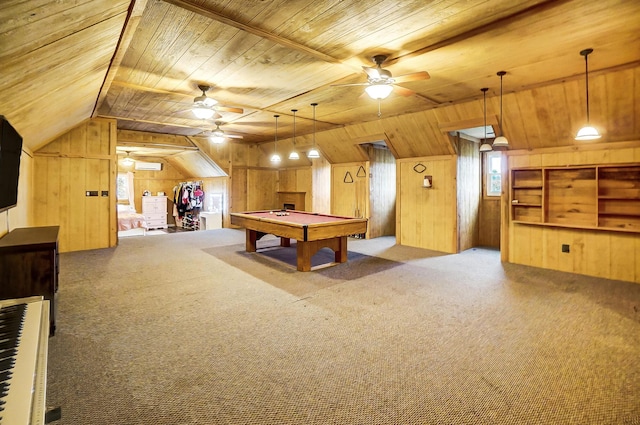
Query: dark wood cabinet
(29, 265)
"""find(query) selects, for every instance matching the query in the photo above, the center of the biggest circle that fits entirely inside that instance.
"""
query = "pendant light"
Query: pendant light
(485, 147)
(501, 141)
(313, 153)
(587, 132)
(127, 161)
(294, 155)
(275, 158)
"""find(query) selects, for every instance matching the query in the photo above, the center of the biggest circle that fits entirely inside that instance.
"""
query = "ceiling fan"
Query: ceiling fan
(218, 135)
(205, 107)
(380, 82)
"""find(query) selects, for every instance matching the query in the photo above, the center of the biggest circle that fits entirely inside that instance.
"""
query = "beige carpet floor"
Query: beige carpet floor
(188, 328)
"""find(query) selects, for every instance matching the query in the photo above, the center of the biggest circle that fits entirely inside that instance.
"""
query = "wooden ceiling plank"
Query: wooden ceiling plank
(253, 30)
(29, 25)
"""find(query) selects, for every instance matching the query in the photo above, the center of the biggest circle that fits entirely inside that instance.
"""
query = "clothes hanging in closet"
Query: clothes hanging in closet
(188, 197)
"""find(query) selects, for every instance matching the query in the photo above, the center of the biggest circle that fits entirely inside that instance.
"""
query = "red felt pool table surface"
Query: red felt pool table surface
(312, 231)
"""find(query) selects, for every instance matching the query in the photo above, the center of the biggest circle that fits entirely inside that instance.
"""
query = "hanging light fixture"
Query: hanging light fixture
(379, 91)
(203, 105)
(294, 155)
(275, 157)
(217, 135)
(587, 132)
(127, 160)
(313, 153)
(501, 141)
(485, 147)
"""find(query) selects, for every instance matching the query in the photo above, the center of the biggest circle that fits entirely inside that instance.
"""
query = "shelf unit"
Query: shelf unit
(619, 197)
(603, 197)
(526, 195)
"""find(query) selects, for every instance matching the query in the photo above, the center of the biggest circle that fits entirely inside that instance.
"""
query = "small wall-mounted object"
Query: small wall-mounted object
(427, 182)
(148, 166)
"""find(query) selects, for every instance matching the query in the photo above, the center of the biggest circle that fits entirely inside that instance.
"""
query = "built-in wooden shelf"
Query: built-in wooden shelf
(605, 197)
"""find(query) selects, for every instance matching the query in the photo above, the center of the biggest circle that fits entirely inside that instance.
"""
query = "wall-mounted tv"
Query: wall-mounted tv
(10, 152)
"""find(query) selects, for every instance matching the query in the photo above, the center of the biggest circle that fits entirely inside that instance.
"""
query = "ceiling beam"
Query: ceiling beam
(134, 16)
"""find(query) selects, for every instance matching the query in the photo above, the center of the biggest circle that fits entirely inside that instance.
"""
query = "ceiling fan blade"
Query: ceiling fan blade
(349, 85)
(372, 72)
(233, 136)
(229, 109)
(416, 76)
(402, 91)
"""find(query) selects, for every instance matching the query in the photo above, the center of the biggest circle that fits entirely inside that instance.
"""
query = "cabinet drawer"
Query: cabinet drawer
(156, 217)
(157, 224)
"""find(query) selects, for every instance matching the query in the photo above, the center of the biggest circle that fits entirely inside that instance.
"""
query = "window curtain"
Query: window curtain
(132, 197)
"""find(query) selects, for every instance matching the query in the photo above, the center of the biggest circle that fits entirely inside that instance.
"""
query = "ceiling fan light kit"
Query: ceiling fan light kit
(587, 132)
(501, 141)
(202, 112)
(127, 160)
(203, 105)
(380, 81)
(379, 91)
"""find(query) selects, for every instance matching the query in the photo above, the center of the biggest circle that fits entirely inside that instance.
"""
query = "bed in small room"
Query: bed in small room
(130, 223)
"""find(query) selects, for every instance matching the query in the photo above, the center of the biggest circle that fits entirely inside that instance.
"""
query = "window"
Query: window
(122, 187)
(493, 173)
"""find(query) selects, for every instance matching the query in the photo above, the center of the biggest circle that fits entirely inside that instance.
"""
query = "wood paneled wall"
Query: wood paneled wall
(84, 159)
(297, 180)
(350, 189)
(469, 194)
(490, 216)
(613, 255)
(321, 186)
(427, 218)
(382, 189)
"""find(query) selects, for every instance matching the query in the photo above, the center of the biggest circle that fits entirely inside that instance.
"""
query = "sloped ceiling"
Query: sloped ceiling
(141, 62)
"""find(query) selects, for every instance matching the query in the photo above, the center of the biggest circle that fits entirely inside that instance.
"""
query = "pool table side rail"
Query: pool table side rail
(298, 231)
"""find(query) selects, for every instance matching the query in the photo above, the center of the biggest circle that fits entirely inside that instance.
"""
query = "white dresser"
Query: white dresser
(154, 209)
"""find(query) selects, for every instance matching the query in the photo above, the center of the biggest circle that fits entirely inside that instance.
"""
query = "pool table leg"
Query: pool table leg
(252, 236)
(341, 252)
(306, 250)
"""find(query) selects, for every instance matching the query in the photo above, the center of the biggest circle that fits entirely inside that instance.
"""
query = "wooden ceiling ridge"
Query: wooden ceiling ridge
(134, 16)
(185, 4)
(490, 26)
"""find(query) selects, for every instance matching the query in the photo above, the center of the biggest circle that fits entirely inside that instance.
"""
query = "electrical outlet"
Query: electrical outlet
(565, 247)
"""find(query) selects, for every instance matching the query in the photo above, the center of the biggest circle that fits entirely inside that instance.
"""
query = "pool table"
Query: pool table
(312, 231)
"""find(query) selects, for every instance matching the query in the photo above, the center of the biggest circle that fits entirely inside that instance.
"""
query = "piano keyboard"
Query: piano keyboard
(24, 332)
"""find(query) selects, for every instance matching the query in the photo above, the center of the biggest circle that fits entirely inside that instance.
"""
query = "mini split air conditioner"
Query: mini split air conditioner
(148, 166)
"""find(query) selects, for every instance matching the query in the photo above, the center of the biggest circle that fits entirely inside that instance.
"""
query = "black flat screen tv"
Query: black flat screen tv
(10, 152)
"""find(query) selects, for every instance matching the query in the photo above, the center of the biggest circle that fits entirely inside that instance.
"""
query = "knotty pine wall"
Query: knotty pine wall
(83, 159)
(382, 189)
(350, 189)
(427, 218)
(297, 180)
(321, 186)
(469, 194)
(490, 213)
(601, 253)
